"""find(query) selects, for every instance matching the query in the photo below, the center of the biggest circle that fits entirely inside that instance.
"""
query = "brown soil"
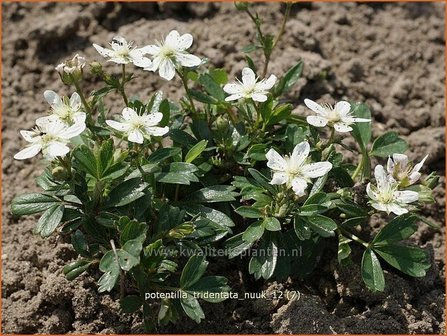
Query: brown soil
(390, 56)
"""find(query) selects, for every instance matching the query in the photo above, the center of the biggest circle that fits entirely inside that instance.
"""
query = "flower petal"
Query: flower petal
(135, 136)
(418, 166)
(55, 149)
(167, 69)
(172, 39)
(299, 186)
(275, 161)
(381, 177)
(119, 43)
(380, 207)
(317, 108)
(317, 121)
(401, 160)
(300, 153)
(266, 84)
(129, 114)
(342, 127)
(117, 125)
(396, 209)
(152, 119)
(406, 196)
(142, 62)
(259, 97)
(52, 98)
(187, 60)
(29, 136)
(232, 88)
(157, 131)
(234, 97)
(353, 120)
(248, 77)
(28, 152)
(342, 108)
(103, 51)
(79, 117)
(317, 169)
(370, 192)
(184, 41)
(75, 101)
(72, 131)
(279, 178)
(150, 49)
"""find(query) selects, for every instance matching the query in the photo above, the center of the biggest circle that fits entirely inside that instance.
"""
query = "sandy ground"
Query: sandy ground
(390, 56)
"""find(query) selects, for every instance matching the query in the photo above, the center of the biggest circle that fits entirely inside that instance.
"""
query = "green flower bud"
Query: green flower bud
(60, 173)
(242, 6)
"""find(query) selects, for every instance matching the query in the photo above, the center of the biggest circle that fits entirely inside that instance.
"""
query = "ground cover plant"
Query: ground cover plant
(239, 169)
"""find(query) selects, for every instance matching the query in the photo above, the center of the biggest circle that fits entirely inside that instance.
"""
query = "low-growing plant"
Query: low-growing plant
(143, 195)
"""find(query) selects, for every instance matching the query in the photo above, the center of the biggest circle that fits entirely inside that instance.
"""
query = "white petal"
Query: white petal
(380, 207)
(381, 177)
(370, 192)
(150, 49)
(28, 135)
(142, 62)
(167, 69)
(79, 117)
(299, 186)
(342, 108)
(234, 97)
(317, 108)
(103, 51)
(152, 119)
(52, 98)
(187, 60)
(300, 153)
(55, 149)
(129, 114)
(72, 131)
(418, 166)
(119, 43)
(184, 41)
(401, 160)
(155, 64)
(279, 178)
(353, 120)
(172, 39)
(259, 97)
(117, 125)
(232, 88)
(248, 77)
(47, 120)
(157, 101)
(414, 177)
(317, 121)
(396, 209)
(275, 161)
(28, 152)
(316, 169)
(390, 165)
(119, 60)
(135, 136)
(266, 84)
(157, 131)
(406, 196)
(342, 127)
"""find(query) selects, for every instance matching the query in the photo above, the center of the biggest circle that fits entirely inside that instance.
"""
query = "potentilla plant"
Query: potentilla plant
(143, 191)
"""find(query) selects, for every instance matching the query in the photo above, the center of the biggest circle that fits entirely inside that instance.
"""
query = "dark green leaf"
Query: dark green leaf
(400, 228)
(236, 245)
(249, 212)
(253, 232)
(372, 273)
(195, 151)
(289, 79)
(301, 228)
(192, 308)
(271, 224)
(217, 193)
(131, 303)
(362, 130)
(388, 144)
(322, 225)
(126, 192)
(28, 204)
(193, 271)
(49, 220)
(209, 285)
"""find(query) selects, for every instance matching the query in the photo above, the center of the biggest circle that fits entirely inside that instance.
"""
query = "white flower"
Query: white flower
(63, 110)
(137, 127)
(76, 64)
(295, 171)
(171, 54)
(49, 137)
(122, 52)
(339, 116)
(386, 197)
(403, 171)
(249, 87)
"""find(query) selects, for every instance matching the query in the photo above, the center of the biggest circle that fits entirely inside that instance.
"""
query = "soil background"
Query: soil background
(390, 56)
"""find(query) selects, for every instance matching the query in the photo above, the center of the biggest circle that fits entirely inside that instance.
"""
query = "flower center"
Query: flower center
(166, 51)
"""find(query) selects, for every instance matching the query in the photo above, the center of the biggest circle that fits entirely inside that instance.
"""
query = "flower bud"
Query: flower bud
(71, 70)
(96, 68)
(222, 124)
(60, 173)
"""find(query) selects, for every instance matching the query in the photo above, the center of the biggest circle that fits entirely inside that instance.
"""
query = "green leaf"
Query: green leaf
(76, 268)
(322, 225)
(253, 232)
(127, 260)
(79, 243)
(344, 250)
(193, 271)
(271, 224)
(131, 303)
(162, 154)
(262, 180)
(127, 192)
(211, 284)
(301, 228)
(86, 160)
(111, 269)
(249, 212)
(236, 245)
(192, 308)
(219, 75)
(217, 193)
(410, 260)
(289, 79)
(400, 228)
(352, 209)
(361, 131)
(178, 173)
(213, 215)
(263, 264)
(28, 204)
(372, 273)
(49, 220)
(388, 144)
(195, 151)
(212, 87)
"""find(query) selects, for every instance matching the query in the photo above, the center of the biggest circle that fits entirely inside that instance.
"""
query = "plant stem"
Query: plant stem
(283, 25)
(122, 279)
(123, 81)
(185, 85)
(81, 94)
(358, 169)
(353, 237)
